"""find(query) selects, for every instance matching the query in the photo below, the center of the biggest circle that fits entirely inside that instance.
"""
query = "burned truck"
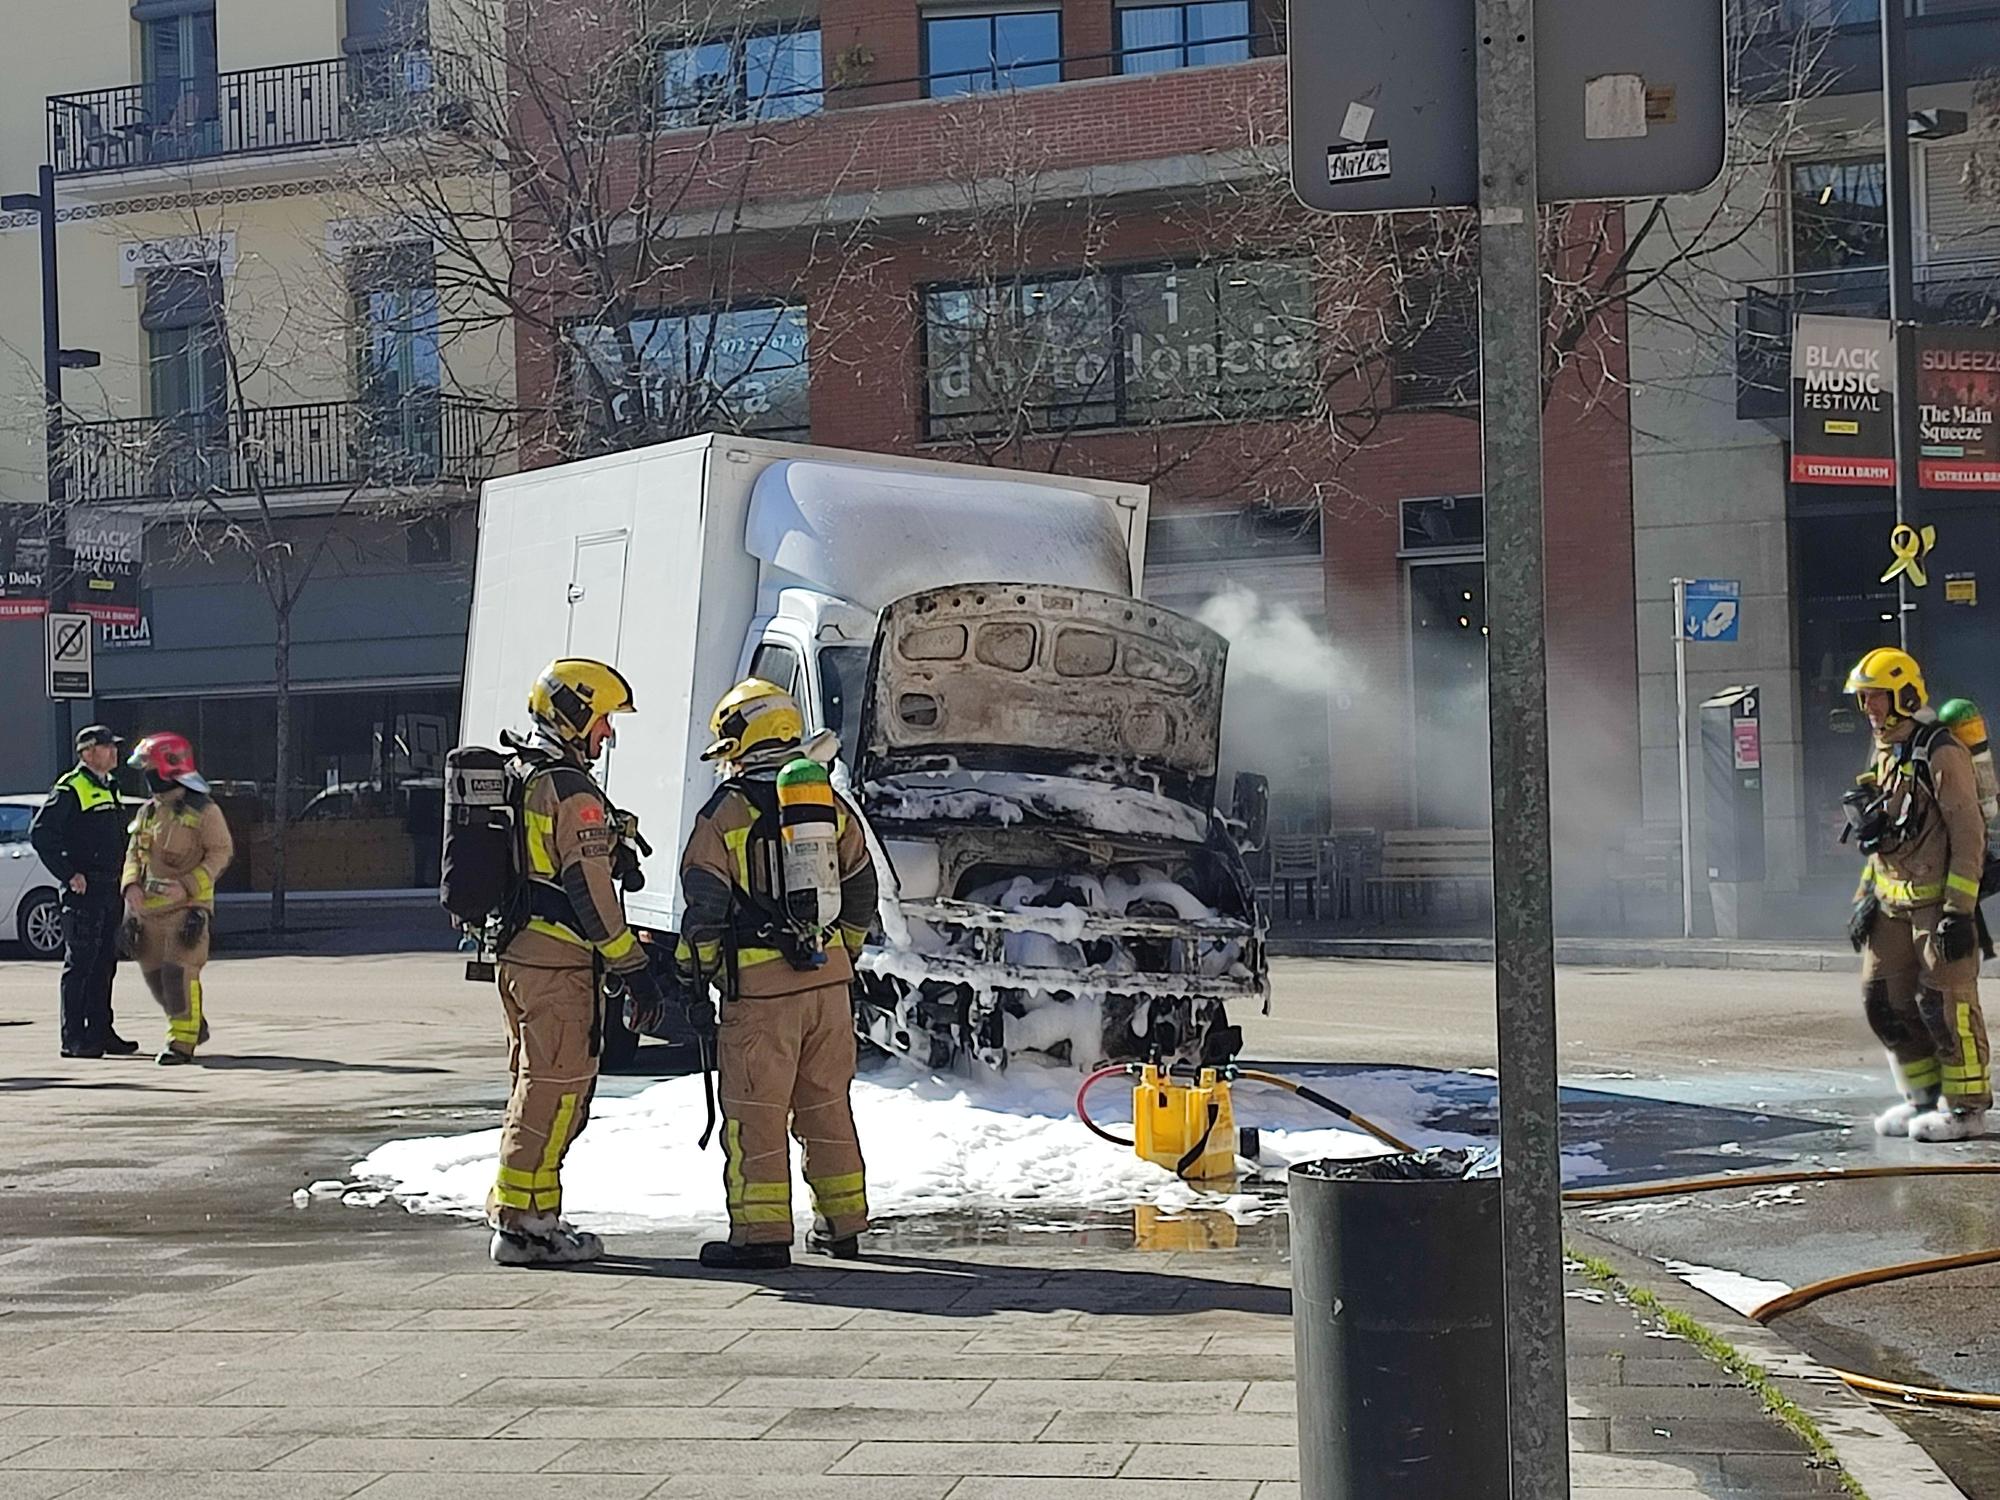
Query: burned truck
(1037, 758)
(1038, 766)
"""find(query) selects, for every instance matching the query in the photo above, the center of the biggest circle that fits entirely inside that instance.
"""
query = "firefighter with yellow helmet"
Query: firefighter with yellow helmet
(570, 932)
(1915, 812)
(779, 894)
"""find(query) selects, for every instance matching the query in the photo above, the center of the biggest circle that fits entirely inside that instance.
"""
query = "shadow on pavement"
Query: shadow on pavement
(28, 1085)
(277, 1064)
(968, 1289)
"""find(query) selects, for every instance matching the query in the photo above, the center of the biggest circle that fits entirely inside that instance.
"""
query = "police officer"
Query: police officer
(552, 970)
(79, 833)
(785, 1049)
(1916, 813)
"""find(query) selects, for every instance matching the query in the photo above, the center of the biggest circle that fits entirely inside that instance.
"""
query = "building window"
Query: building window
(427, 541)
(769, 75)
(1804, 13)
(1444, 523)
(183, 104)
(400, 365)
(1437, 349)
(967, 52)
(1251, 533)
(1119, 349)
(740, 369)
(188, 379)
(1158, 38)
(1839, 215)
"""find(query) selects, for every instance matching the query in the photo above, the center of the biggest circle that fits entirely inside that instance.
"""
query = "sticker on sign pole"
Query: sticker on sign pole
(1364, 161)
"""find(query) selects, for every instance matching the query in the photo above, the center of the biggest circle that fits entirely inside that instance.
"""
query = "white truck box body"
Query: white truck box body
(668, 561)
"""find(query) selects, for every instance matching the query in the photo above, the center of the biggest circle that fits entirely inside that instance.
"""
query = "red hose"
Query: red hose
(1083, 1113)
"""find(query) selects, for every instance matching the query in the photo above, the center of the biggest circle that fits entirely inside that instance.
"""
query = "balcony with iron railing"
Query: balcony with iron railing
(297, 107)
(1949, 292)
(341, 448)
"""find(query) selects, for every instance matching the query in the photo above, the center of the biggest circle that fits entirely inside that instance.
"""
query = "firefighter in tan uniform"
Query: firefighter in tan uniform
(785, 1050)
(179, 846)
(567, 934)
(1916, 814)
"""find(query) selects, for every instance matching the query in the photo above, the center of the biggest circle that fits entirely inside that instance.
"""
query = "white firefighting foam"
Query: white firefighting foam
(934, 1145)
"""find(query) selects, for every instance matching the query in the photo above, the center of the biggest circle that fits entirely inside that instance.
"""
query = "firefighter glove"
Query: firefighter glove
(700, 1013)
(1957, 936)
(625, 868)
(1866, 909)
(130, 932)
(193, 923)
(645, 1007)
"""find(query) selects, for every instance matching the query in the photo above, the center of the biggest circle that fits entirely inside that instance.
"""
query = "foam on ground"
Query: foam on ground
(934, 1145)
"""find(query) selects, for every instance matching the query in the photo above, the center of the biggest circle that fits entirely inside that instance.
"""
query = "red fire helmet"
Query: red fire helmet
(170, 757)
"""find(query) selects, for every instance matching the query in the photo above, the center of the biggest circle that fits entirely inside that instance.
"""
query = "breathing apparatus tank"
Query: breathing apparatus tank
(1968, 727)
(809, 850)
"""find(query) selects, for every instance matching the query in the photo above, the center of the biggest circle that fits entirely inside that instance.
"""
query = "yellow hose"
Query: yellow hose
(1800, 1297)
(1718, 1184)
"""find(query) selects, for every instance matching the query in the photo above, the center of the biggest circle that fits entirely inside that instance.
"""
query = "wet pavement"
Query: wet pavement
(159, 1190)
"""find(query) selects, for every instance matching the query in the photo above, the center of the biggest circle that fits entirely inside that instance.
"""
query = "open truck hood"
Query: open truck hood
(1043, 682)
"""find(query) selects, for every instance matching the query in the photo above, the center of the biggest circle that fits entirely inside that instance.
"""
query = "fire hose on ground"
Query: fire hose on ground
(1812, 1292)
(1179, 1110)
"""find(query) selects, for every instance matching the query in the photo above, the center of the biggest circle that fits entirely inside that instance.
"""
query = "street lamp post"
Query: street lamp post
(55, 359)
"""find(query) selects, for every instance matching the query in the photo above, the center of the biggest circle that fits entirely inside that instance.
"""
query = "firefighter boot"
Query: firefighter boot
(1948, 1123)
(842, 1247)
(543, 1240)
(1919, 1080)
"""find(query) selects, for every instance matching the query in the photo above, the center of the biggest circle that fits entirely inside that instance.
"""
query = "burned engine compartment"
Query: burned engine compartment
(1005, 935)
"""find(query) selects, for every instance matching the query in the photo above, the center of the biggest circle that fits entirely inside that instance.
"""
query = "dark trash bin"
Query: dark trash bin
(1398, 1328)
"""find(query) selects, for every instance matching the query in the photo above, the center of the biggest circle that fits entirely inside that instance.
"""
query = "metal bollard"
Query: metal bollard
(1398, 1329)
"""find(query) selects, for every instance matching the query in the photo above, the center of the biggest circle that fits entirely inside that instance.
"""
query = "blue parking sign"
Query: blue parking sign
(1713, 609)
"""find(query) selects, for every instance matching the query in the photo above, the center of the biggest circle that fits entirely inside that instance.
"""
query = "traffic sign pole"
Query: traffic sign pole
(1681, 755)
(1510, 376)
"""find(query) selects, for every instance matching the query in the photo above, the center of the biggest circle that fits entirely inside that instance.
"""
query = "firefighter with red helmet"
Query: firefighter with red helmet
(179, 846)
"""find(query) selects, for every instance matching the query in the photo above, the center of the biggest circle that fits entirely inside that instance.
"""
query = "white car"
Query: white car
(30, 908)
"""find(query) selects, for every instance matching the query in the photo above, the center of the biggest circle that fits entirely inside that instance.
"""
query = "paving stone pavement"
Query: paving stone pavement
(409, 1368)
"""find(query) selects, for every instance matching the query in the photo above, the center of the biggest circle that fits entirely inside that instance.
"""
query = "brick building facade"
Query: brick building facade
(1110, 171)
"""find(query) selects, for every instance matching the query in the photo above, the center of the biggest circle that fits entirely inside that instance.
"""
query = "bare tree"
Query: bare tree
(236, 473)
(594, 190)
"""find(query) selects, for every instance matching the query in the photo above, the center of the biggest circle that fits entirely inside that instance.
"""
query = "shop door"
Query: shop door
(1448, 762)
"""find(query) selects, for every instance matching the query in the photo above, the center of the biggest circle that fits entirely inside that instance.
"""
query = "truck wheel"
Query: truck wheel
(39, 925)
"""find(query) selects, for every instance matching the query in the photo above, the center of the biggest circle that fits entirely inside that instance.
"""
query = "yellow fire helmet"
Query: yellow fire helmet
(1894, 672)
(751, 715)
(573, 693)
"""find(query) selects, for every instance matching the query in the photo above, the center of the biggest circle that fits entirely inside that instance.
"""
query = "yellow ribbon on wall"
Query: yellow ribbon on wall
(1911, 546)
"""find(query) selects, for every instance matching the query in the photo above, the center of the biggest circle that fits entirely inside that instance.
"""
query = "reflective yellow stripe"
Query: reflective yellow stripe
(512, 1197)
(856, 938)
(751, 1202)
(204, 884)
(1905, 892)
(1962, 885)
(519, 1177)
(619, 946)
(554, 930)
(737, 842)
(1971, 1075)
(548, 1176)
(1917, 1076)
(750, 958)
(840, 1197)
(541, 843)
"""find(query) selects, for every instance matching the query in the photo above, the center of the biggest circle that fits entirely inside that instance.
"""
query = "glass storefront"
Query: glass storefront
(366, 791)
